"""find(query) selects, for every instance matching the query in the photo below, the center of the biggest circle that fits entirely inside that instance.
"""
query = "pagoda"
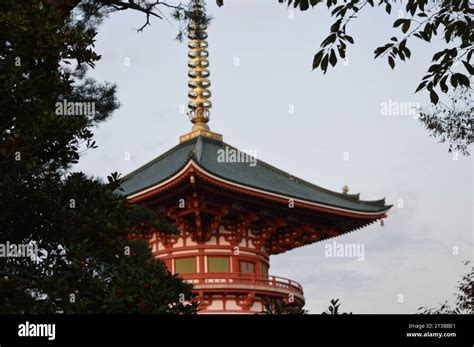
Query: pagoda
(232, 214)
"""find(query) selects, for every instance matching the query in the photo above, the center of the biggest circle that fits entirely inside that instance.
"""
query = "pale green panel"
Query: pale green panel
(218, 264)
(185, 265)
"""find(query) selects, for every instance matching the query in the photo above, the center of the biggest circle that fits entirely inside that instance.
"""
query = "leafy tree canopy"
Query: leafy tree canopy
(85, 262)
(464, 298)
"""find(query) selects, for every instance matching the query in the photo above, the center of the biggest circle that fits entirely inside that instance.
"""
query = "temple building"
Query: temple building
(232, 210)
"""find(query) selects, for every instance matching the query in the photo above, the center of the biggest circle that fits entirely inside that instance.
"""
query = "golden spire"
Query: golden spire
(199, 94)
(199, 83)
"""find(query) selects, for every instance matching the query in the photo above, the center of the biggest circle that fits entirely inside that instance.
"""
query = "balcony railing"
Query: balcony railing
(244, 279)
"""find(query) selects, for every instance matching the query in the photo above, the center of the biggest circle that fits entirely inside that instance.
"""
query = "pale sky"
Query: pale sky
(390, 156)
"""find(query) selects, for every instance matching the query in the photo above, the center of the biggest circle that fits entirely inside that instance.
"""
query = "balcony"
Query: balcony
(237, 282)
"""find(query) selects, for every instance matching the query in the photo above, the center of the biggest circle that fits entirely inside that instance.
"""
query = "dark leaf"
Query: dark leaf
(434, 97)
(391, 62)
(406, 26)
(317, 59)
(333, 59)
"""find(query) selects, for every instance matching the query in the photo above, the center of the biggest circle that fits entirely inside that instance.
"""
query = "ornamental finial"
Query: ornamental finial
(199, 94)
(199, 83)
(345, 189)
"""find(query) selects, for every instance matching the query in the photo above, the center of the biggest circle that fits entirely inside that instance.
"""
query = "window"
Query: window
(218, 264)
(185, 265)
(247, 267)
(264, 269)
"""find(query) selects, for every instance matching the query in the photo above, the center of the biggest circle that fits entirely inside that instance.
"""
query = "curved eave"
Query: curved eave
(194, 166)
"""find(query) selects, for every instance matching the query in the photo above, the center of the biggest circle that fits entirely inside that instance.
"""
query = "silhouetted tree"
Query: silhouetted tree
(274, 306)
(85, 262)
(452, 123)
(464, 302)
(334, 308)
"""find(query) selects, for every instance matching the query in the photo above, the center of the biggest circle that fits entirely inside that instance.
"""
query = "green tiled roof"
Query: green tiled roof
(262, 176)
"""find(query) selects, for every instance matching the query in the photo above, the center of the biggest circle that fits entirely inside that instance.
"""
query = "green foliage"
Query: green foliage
(277, 307)
(86, 263)
(464, 303)
(451, 68)
(334, 308)
(452, 123)
(450, 18)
